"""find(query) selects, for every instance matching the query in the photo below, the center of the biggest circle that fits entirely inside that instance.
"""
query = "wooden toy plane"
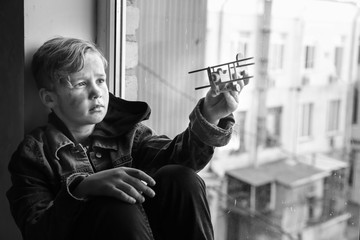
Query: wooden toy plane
(223, 80)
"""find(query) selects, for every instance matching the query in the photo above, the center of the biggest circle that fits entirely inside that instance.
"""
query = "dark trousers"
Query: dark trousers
(179, 211)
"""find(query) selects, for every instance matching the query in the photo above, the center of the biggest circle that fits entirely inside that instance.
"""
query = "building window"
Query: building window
(358, 59)
(355, 106)
(335, 191)
(309, 57)
(240, 191)
(277, 56)
(333, 115)
(311, 207)
(306, 120)
(351, 176)
(273, 126)
(338, 60)
(263, 198)
(250, 197)
(240, 44)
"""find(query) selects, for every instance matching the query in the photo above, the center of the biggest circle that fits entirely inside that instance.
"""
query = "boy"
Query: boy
(96, 172)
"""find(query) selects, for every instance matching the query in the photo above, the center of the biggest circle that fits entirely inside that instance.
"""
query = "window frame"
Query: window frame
(111, 39)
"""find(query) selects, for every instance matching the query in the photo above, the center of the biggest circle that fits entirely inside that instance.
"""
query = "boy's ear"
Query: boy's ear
(48, 98)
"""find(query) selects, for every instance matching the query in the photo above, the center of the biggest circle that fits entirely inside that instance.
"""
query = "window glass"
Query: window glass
(355, 105)
(273, 129)
(171, 40)
(306, 120)
(333, 115)
(277, 56)
(279, 177)
(309, 57)
(338, 60)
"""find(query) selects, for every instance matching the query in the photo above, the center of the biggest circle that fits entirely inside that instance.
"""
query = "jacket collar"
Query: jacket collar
(121, 116)
(58, 135)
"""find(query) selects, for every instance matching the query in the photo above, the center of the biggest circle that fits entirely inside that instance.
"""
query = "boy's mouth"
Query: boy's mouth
(96, 107)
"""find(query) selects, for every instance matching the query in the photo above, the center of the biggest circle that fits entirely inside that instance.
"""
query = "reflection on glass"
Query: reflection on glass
(292, 169)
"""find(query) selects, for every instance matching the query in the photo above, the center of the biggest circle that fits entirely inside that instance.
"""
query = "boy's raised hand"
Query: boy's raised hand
(123, 183)
(217, 106)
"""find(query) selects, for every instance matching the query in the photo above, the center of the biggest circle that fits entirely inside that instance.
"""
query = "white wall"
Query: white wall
(43, 20)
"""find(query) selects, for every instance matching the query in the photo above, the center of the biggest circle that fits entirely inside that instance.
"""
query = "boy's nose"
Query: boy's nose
(95, 92)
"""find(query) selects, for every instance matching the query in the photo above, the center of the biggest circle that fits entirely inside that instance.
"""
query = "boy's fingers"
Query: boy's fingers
(138, 174)
(121, 195)
(231, 96)
(212, 92)
(235, 94)
(141, 187)
(131, 192)
(139, 180)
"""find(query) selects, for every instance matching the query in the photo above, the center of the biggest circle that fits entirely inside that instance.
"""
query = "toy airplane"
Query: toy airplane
(225, 80)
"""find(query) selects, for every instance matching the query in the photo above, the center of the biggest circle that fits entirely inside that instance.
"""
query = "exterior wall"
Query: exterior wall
(325, 33)
(132, 50)
(171, 39)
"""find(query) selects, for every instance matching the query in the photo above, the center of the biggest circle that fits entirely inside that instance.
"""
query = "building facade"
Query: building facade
(290, 167)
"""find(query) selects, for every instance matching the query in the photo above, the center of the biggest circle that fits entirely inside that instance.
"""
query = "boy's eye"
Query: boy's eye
(101, 80)
(79, 84)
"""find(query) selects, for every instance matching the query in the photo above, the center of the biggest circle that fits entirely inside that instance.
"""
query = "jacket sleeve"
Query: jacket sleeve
(40, 211)
(192, 148)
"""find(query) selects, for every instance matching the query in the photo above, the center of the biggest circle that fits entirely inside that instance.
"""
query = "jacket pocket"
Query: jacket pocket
(123, 161)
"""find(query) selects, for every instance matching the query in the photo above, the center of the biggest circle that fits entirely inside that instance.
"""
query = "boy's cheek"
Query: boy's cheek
(75, 102)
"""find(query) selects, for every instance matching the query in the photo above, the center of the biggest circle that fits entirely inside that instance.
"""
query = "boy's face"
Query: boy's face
(85, 101)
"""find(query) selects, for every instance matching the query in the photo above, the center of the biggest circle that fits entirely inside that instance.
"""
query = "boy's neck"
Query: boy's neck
(82, 134)
(74, 133)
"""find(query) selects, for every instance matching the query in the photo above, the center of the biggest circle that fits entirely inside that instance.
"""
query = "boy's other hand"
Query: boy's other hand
(123, 183)
(217, 106)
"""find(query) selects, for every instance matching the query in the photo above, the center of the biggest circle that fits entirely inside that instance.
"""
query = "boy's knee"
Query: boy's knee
(106, 204)
(180, 176)
(113, 211)
(110, 208)
(111, 216)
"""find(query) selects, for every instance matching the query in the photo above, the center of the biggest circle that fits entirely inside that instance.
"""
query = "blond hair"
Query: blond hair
(59, 57)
